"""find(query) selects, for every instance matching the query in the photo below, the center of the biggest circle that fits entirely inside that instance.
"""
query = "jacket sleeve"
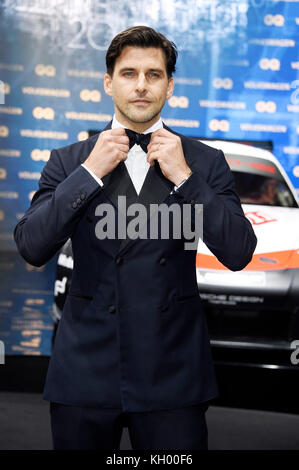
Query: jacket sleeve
(226, 231)
(55, 210)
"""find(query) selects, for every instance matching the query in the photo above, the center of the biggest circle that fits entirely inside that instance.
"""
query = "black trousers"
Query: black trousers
(82, 428)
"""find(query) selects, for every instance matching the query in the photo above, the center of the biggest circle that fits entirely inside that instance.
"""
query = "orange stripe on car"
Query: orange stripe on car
(277, 260)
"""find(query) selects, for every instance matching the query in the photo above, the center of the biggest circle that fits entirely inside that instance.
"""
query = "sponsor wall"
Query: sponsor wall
(237, 78)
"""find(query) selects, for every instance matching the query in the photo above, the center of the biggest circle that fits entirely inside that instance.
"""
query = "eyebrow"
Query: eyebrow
(132, 69)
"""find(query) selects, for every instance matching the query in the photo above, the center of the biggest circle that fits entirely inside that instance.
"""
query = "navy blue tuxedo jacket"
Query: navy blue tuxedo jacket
(133, 333)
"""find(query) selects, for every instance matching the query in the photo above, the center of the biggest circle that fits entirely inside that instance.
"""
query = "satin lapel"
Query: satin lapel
(155, 190)
(118, 183)
(155, 187)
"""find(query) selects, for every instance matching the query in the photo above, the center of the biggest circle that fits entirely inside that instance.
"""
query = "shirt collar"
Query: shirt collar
(153, 128)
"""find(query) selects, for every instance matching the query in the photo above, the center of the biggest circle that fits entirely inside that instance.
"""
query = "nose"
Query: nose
(141, 83)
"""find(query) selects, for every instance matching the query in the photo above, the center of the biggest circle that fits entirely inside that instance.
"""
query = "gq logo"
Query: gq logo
(216, 125)
(272, 64)
(37, 155)
(43, 113)
(226, 83)
(3, 173)
(83, 135)
(48, 70)
(178, 102)
(90, 95)
(274, 20)
(265, 106)
(295, 173)
(4, 132)
(6, 88)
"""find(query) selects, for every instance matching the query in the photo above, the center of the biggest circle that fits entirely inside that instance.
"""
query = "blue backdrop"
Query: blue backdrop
(237, 78)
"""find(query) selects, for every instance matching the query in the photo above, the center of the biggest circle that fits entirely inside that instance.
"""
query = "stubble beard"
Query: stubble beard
(133, 117)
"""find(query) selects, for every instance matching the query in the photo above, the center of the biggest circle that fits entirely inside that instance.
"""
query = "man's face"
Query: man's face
(139, 86)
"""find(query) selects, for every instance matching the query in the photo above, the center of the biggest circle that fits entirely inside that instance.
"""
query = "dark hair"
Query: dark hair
(141, 36)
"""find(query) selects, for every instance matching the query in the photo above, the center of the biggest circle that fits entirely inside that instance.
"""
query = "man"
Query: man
(132, 347)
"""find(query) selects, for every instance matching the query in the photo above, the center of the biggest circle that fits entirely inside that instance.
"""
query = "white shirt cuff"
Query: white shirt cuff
(93, 175)
(181, 184)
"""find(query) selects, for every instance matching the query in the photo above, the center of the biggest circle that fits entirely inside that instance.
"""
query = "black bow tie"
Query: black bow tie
(139, 139)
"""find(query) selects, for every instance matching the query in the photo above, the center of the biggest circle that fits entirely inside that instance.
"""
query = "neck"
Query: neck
(136, 126)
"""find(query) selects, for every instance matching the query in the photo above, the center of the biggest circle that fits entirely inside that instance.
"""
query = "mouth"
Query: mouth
(141, 102)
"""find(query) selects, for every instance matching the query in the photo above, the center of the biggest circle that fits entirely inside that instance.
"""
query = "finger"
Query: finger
(156, 139)
(123, 156)
(153, 147)
(151, 157)
(123, 148)
(120, 139)
(162, 133)
(117, 131)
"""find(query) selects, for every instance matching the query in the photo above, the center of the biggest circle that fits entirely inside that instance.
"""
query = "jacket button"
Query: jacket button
(111, 309)
(163, 261)
(74, 205)
(119, 260)
(82, 196)
(78, 201)
(192, 201)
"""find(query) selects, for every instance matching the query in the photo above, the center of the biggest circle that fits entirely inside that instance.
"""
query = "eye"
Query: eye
(154, 75)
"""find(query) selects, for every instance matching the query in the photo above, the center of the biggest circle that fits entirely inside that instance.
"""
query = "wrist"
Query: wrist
(93, 169)
(183, 177)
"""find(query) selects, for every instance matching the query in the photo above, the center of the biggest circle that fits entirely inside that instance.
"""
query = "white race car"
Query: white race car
(258, 307)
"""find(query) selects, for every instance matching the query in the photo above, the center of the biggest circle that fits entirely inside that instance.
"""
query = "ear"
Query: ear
(108, 84)
(170, 87)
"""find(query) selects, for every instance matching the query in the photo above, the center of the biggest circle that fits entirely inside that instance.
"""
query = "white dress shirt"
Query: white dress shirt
(136, 162)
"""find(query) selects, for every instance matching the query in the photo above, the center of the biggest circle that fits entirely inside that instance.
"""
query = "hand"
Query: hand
(110, 149)
(166, 148)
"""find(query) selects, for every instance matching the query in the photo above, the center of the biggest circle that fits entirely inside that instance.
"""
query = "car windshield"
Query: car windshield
(258, 189)
(258, 181)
